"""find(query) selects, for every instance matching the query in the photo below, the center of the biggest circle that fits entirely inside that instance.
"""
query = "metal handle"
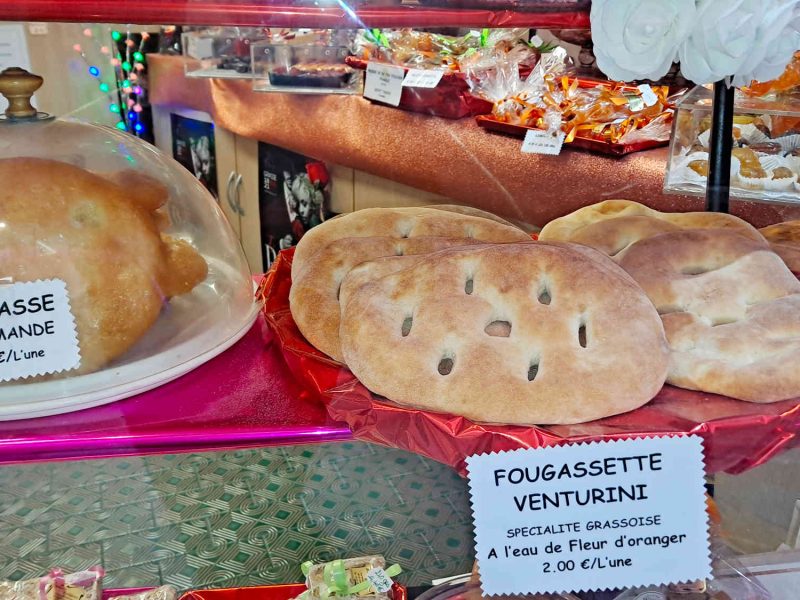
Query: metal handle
(229, 192)
(237, 187)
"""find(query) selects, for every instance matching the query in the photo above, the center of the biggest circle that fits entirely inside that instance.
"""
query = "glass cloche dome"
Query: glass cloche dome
(118, 271)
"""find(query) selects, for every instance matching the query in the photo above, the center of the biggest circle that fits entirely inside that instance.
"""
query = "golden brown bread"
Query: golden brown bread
(565, 336)
(314, 296)
(64, 222)
(613, 225)
(400, 223)
(731, 312)
(784, 238)
(613, 236)
(470, 211)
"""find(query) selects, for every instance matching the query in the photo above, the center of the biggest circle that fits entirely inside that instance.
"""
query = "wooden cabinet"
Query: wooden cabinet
(238, 181)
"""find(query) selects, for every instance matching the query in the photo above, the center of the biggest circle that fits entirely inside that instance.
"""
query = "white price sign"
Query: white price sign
(648, 95)
(37, 330)
(543, 142)
(423, 78)
(384, 83)
(590, 516)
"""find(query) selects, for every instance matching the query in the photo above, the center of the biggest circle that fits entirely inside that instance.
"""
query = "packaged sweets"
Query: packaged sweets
(364, 578)
(165, 592)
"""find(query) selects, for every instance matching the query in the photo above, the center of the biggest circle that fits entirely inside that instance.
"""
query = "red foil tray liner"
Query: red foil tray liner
(737, 435)
(450, 99)
(268, 592)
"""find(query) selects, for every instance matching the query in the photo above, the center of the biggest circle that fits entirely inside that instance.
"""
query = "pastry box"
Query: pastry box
(765, 161)
(313, 68)
(221, 52)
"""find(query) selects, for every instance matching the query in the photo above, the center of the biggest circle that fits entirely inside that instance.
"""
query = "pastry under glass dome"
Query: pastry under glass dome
(156, 281)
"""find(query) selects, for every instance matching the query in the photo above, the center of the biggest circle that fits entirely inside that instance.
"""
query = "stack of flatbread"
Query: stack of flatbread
(465, 314)
(729, 304)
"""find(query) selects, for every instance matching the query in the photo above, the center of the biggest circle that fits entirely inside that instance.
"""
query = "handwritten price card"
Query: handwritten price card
(37, 330)
(589, 517)
(384, 83)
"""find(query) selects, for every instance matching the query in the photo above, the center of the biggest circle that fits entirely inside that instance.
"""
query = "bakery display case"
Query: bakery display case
(347, 340)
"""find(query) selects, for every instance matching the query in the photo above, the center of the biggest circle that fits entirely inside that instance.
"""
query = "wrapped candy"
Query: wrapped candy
(550, 99)
(423, 50)
(362, 578)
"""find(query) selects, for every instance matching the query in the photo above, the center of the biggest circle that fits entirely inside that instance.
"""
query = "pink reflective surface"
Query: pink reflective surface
(245, 397)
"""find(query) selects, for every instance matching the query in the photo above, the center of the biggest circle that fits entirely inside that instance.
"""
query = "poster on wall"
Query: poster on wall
(293, 196)
(193, 147)
(13, 51)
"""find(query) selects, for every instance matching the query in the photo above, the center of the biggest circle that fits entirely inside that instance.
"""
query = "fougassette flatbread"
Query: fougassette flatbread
(470, 211)
(533, 333)
(784, 238)
(731, 312)
(400, 223)
(314, 297)
(614, 225)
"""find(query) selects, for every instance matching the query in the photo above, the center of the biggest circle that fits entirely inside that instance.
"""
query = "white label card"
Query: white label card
(384, 83)
(37, 330)
(379, 580)
(538, 141)
(648, 95)
(592, 516)
(423, 78)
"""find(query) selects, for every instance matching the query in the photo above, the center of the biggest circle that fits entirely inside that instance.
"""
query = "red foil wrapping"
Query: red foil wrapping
(450, 99)
(738, 435)
(268, 592)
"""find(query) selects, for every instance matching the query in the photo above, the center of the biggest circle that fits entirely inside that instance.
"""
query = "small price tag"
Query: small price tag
(379, 580)
(588, 517)
(384, 83)
(648, 95)
(37, 330)
(542, 142)
(423, 78)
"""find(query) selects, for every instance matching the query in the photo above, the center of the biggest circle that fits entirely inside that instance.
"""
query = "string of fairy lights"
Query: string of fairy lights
(125, 99)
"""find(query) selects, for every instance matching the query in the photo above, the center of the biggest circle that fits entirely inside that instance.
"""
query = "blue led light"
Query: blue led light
(138, 127)
(94, 71)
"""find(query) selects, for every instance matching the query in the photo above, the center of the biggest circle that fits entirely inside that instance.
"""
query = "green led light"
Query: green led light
(116, 36)
(113, 108)
(121, 125)
(126, 84)
(126, 66)
(138, 56)
(104, 88)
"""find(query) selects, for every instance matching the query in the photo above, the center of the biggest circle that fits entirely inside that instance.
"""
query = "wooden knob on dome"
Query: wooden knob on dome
(18, 86)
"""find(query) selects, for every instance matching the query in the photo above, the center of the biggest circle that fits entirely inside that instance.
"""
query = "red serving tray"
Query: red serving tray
(737, 435)
(268, 592)
(243, 398)
(491, 124)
